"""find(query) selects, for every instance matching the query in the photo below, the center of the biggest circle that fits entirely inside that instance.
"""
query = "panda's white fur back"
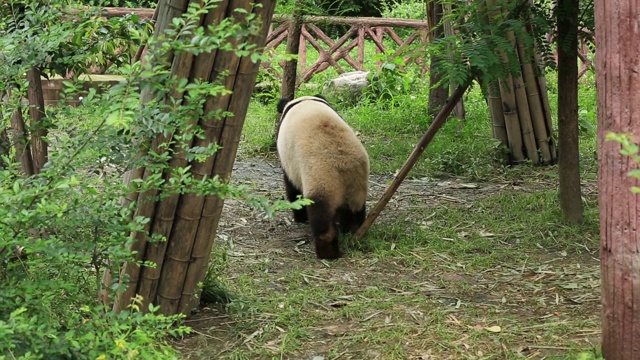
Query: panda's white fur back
(321, 154)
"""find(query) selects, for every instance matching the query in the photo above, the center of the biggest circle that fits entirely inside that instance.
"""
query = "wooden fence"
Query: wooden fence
(348, 52)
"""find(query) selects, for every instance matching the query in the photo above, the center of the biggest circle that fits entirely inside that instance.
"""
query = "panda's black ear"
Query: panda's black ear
(282, 103)
(320, 96)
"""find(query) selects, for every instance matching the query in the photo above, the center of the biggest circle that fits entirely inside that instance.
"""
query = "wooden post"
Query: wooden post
(437, 123)
(618, 82)
(293, 46)
(189, 222)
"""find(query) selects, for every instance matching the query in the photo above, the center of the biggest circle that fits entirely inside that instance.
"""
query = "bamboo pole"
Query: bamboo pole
(437, 123)
(496, 112)
(541, 83)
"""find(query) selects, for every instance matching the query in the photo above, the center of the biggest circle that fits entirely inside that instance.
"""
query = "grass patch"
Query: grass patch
(497, 276)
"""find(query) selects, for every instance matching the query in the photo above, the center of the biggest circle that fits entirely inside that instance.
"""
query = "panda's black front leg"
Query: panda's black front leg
(300, 215)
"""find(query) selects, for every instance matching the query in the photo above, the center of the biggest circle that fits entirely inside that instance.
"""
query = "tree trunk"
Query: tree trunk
(438, 90)
(618, 82)
(39, 147)
(569, 163)
(21, 141)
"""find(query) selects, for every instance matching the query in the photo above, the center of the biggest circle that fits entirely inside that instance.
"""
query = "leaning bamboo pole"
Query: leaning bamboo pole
(420, 147)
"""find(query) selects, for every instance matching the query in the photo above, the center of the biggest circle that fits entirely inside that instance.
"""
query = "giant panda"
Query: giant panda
(324, 161)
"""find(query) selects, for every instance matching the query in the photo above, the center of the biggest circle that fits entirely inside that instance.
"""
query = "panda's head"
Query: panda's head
(287, 103)
(282, 104)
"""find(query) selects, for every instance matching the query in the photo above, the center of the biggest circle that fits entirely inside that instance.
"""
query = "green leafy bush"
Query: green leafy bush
(61, 229)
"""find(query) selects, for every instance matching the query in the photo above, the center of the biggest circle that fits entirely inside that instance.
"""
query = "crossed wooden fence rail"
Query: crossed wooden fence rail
(360, 30)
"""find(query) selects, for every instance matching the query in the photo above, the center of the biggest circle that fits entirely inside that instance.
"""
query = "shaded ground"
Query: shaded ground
(393, 301)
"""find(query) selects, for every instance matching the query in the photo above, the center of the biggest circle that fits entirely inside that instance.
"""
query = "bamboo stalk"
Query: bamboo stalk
(497, 115)
(437, 123)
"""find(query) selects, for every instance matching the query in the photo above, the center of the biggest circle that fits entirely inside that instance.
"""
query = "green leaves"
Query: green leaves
(630, 149)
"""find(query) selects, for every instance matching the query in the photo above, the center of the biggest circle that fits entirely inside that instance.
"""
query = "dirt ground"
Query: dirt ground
(386, 307)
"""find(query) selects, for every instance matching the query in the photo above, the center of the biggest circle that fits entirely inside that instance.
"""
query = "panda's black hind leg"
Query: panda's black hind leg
(349, 220)
(322, 219)
(300, 215)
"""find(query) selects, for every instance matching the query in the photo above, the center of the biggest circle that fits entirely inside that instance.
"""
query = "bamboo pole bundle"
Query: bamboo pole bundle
(178, 254)
(193, 229)
(524, 114)
(524, 101)
(535, 101)
(146, 201)
(189, 222)
(183, 65)
(245, 78)
(509, 104)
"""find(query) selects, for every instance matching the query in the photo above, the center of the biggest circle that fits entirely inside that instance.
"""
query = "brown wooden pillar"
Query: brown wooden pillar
(618, 81)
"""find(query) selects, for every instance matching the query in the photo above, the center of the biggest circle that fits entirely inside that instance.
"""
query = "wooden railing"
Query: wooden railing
(338, 53)
(361, 30)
